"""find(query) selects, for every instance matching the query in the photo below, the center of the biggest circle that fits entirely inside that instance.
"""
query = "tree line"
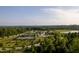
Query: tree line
(12, 30)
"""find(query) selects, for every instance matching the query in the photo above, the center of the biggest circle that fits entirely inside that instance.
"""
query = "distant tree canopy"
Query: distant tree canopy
(11, 30)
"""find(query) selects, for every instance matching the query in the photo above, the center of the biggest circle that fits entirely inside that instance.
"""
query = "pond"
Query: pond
(72, 31)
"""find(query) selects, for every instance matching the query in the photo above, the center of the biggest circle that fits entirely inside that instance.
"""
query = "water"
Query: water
(72, 31)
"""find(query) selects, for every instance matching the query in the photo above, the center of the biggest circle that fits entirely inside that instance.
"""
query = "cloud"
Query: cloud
(63, 16)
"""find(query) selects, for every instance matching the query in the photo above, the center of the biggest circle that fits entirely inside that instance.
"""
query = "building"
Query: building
(26, 36)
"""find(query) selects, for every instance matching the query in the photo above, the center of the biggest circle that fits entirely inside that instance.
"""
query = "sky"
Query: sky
(39, 15)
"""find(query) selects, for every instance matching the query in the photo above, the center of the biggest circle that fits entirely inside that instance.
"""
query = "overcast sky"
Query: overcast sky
(40, 15)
